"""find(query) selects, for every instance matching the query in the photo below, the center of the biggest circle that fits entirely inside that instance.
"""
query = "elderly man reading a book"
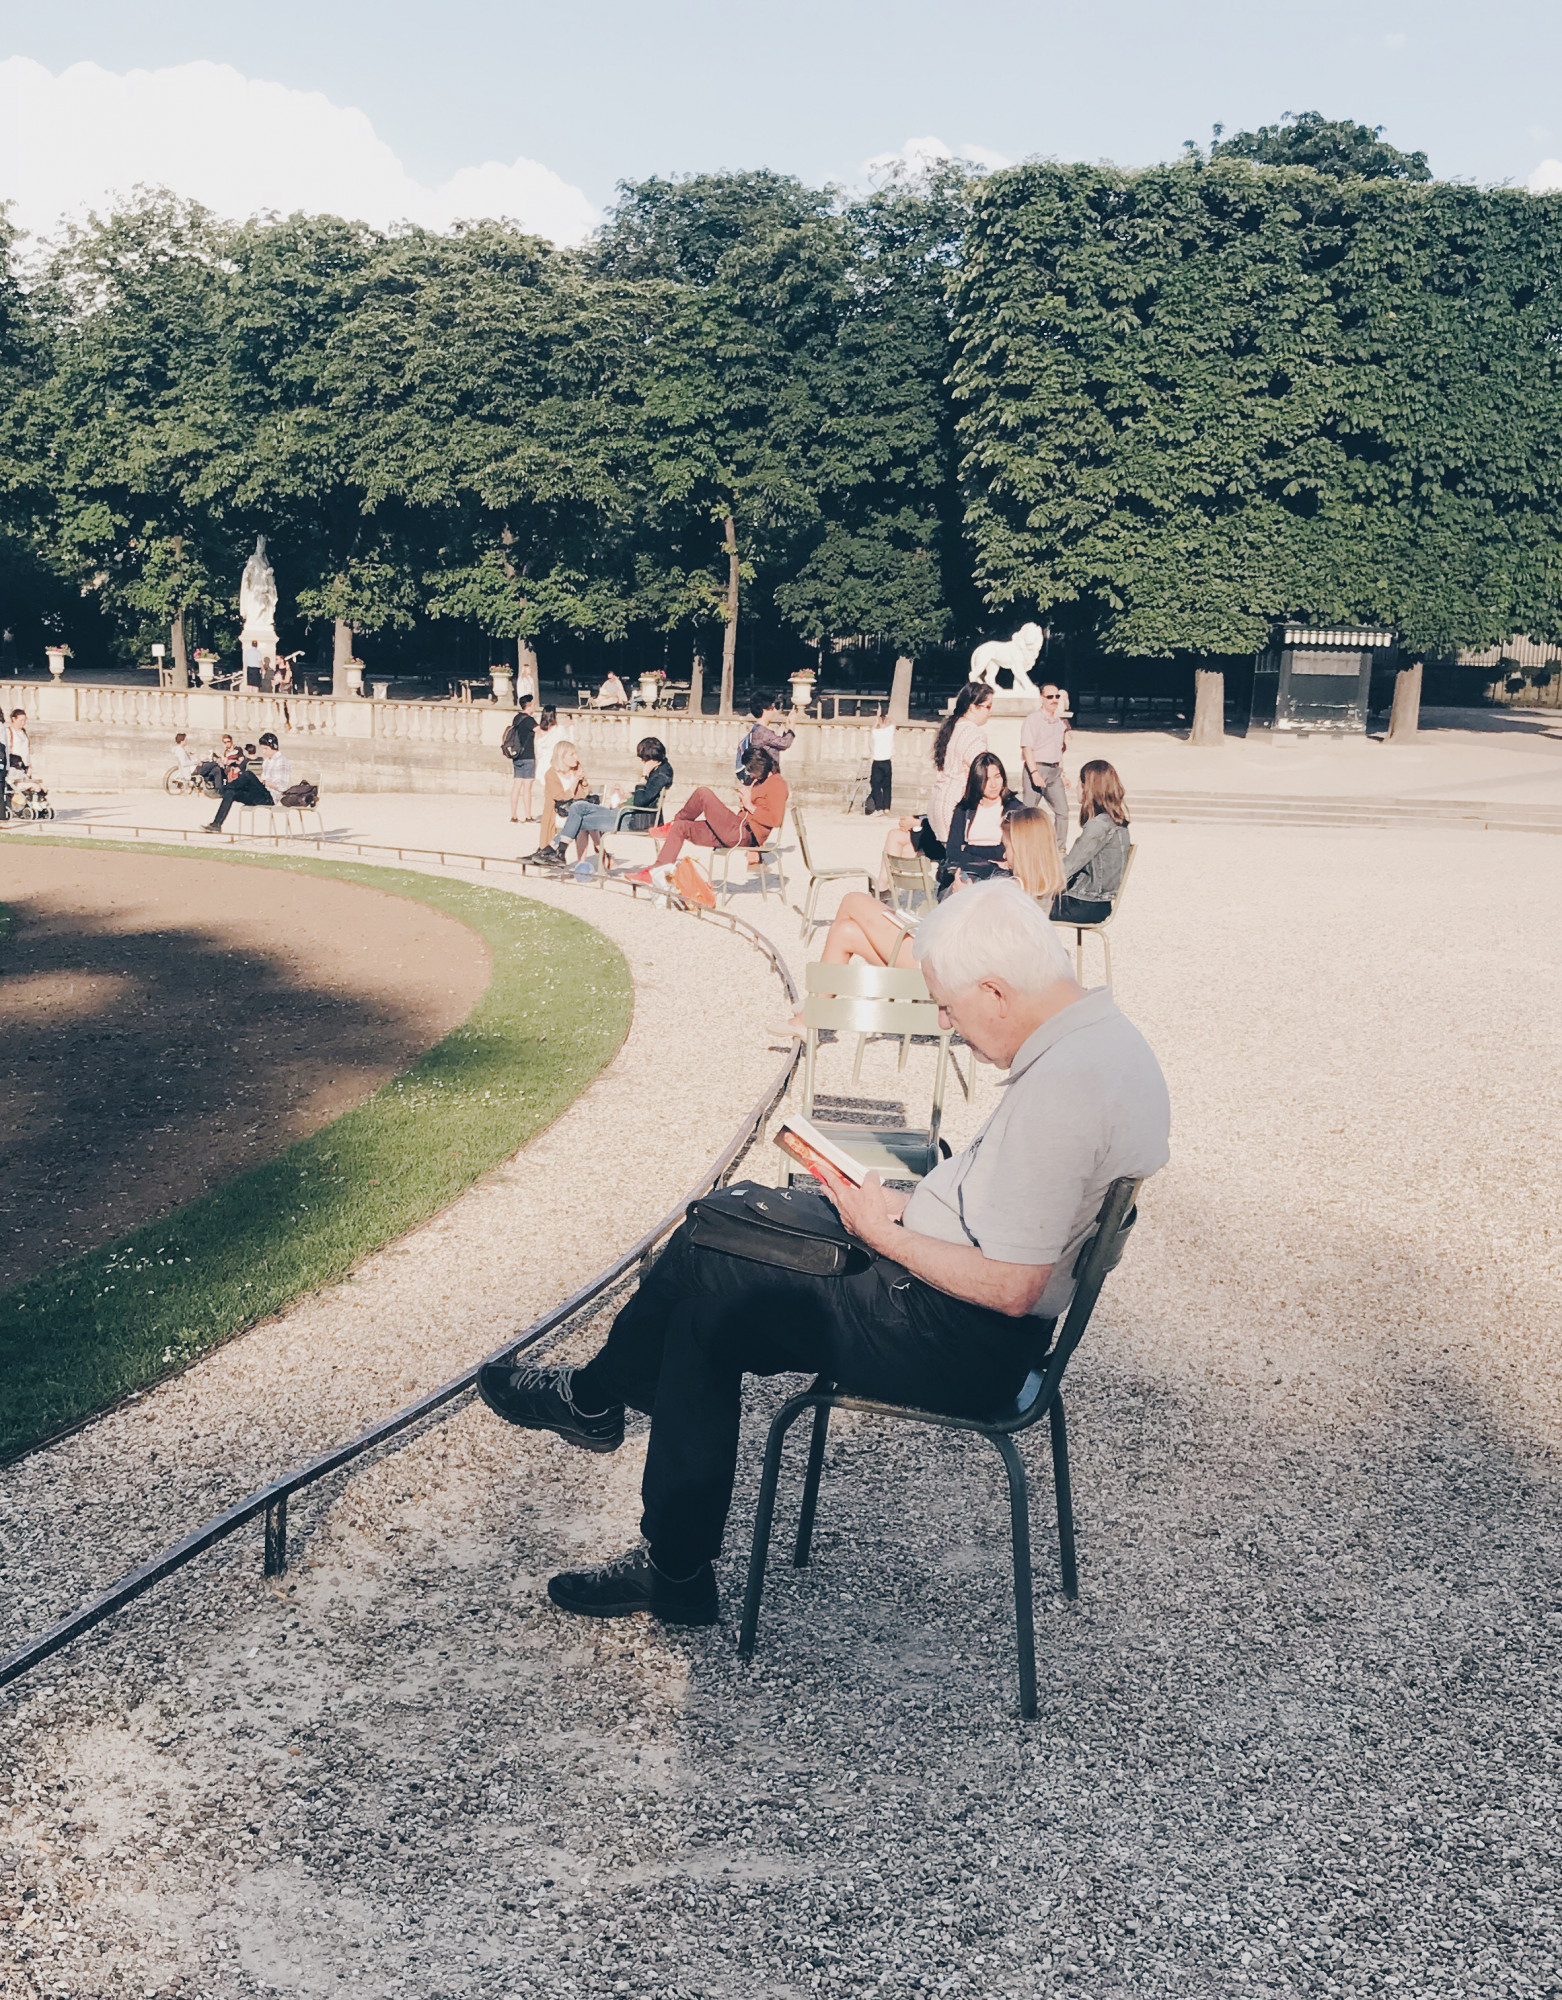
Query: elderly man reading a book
(945, 1297)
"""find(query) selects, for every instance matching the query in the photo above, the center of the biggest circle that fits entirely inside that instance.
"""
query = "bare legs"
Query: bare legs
(862, 928)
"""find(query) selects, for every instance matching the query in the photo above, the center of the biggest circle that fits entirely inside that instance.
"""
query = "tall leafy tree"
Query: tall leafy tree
(1202, 398)
(1329, 145)
(130, 423)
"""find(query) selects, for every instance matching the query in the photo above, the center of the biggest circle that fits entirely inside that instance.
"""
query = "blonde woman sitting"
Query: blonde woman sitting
(566, 780)
(865, 928)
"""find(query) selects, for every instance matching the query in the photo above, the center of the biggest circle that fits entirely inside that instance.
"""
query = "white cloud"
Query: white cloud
(920, 156)
(1547, 177)
(239, 145)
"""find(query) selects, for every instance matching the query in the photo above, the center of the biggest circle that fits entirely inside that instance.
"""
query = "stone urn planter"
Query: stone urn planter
(802, 690)
(355, 676)
(206, 667)
(650, 689)
(56, 656)
(504, 688)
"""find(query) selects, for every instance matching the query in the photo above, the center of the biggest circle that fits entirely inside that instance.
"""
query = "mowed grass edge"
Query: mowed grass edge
(118, 1318)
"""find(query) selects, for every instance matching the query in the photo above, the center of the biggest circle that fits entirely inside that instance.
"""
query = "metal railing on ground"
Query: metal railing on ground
(271, 1501)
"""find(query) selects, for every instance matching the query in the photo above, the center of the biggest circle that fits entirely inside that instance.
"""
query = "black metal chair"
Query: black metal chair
(1040, 1397)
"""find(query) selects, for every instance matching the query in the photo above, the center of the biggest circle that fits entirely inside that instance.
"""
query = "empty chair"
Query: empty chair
(876, 1000)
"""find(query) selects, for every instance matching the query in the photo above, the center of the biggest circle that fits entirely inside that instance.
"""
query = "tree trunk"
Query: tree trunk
(900, 690)
(181, 657)
(341, 654)
(729, 637)
(1209, 707)
(1404, 722)
(526, 671)
(697, 682)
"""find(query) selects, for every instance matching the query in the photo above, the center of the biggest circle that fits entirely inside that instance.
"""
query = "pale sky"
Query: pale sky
(536, 111)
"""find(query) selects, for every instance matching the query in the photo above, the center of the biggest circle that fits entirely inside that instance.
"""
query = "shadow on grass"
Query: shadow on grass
(555, 1012)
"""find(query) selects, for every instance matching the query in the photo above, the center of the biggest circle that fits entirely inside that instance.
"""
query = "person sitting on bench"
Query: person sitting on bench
(948, 1310)
(245, 789)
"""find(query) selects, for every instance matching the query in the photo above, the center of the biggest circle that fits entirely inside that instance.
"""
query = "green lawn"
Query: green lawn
(556, 1010)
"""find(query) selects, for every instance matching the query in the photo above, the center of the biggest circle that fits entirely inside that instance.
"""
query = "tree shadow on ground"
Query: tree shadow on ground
(140, 1067)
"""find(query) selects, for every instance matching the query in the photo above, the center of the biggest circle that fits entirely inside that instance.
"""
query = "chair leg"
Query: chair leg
(764, 1515)
(1079, 956)
(862, 1043)
(1024, 1616)
(808, 906)
(1060, 1481)
(810, 1506)
(1106, 946)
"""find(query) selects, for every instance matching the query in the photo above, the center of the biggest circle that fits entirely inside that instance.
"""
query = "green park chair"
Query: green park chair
(817, 876)
(1040, 1396)
(875, 1000)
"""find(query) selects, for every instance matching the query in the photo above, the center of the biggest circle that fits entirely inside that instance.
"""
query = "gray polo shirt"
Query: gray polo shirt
(1084, 1104)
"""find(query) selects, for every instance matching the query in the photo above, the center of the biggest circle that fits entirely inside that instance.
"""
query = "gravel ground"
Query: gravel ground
(1299, 1734)
(75, 1517)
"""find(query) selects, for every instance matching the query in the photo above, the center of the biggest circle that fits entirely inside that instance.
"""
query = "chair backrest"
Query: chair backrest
(912, 881)
(860, 999)
(1102, 1251)
(802, 839)
(1122, 880)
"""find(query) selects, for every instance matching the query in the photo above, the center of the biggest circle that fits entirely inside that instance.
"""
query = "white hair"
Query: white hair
(991, 930)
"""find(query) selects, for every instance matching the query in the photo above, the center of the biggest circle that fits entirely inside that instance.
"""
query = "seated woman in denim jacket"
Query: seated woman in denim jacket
(1093, 870)
(974, 849)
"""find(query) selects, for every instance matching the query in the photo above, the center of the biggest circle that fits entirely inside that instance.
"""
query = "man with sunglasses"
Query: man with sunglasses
(1043, 739)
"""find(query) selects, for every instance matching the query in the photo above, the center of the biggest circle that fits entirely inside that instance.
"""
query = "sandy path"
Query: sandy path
(165, 1024)
(1298, 1736)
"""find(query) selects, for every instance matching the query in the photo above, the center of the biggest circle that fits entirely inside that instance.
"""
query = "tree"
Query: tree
(1204, 398)
(1329, 145)
(130, 420)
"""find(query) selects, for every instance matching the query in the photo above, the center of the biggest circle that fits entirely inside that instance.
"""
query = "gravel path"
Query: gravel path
(75, 1517)
(1299, 1734)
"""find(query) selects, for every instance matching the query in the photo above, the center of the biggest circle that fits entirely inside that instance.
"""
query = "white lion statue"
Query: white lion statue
(1017, 654)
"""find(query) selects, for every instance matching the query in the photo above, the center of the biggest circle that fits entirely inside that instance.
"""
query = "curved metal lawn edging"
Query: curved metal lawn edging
(272, 1501)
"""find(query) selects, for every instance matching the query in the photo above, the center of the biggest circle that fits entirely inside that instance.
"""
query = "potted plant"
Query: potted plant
(57, 656)
(355, 675)
(652, 682)
(205, 665)
(803, 686)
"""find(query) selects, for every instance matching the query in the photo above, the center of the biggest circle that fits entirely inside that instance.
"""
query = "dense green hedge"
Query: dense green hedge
(1197, 398)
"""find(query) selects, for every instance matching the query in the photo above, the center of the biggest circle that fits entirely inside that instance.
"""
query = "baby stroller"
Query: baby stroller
(29, 799)
(178, 783)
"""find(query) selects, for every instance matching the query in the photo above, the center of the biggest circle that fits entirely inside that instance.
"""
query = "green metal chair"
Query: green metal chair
(1041, 1396)
(913, 883)
(817, 876)
(1082, 931)
(869, 1000)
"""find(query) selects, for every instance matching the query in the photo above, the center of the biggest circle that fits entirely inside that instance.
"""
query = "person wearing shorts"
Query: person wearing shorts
(520, 746)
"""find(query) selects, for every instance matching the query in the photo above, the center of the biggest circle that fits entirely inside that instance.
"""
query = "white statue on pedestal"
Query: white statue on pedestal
(1018, 654)
(258, 609)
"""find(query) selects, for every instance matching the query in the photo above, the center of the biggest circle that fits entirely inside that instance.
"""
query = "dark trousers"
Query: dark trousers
(881, 785)
(244, 790)
(701, 1320)
(1079, 910)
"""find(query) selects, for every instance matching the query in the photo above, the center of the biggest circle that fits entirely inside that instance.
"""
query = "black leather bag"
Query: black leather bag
(791, 1228)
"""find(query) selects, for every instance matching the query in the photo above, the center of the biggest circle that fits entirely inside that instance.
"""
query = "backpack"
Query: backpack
(301, 794)
(510, 743)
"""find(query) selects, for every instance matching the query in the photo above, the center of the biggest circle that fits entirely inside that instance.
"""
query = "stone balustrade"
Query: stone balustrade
(96, 738)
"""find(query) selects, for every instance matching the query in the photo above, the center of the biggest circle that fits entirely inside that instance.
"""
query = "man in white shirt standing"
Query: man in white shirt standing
(1043, 739)
(276, 774)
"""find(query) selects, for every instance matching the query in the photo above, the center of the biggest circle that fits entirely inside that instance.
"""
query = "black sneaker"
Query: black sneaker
(632, 1583)
(540, 1399)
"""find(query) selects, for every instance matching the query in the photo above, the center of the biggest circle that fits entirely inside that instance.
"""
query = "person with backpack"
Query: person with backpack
(519, 744)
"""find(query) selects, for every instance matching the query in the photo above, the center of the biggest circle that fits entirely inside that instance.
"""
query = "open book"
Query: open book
(802, 1140)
